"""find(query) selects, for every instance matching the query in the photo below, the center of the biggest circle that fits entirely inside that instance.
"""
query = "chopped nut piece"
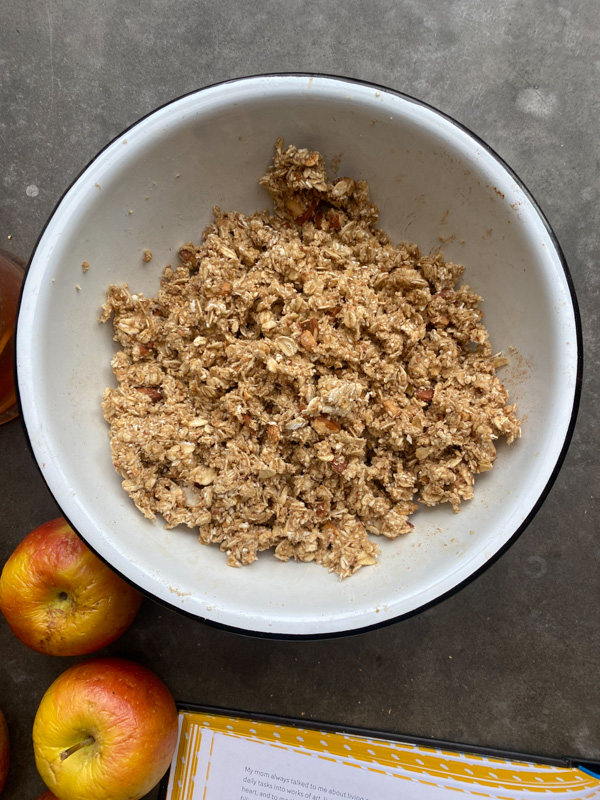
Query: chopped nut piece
(85, 266)
(329, 528)
(311, 325)
(153, 394)
(324, 426)
(307, 213)
(308, 341)
(187, 254)
(426, 395)
(334, 221)
(294, 207)
(339, 465)
(392, 408)
(273, 433)
(147, 256)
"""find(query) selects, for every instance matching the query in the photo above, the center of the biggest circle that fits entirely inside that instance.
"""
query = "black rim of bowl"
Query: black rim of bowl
(576, 396)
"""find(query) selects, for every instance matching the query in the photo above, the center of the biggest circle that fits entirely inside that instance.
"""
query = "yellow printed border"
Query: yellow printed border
(476, 773)
(517, 784)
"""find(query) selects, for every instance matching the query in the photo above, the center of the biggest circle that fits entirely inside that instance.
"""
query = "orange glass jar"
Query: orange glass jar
(11, 277)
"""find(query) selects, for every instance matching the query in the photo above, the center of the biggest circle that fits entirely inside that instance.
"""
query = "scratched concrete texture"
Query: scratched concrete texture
(512, 660)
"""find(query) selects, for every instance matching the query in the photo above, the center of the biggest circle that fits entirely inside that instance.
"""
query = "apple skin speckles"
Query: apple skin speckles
(59, 598)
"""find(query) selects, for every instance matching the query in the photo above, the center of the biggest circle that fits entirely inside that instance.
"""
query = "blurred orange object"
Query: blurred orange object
(11, 277)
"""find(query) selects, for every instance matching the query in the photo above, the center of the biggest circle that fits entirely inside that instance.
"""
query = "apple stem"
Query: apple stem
(76, 747)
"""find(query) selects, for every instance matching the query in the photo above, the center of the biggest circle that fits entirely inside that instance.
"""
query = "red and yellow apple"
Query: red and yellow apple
(59, 598)
(4, 750)
(105, 728)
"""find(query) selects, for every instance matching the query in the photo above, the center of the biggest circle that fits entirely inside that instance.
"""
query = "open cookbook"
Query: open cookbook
(223, 755)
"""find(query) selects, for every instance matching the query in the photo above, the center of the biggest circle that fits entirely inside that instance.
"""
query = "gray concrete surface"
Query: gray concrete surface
(512, 660)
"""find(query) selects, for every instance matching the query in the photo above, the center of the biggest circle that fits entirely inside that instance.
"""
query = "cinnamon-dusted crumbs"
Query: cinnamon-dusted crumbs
(299, 381)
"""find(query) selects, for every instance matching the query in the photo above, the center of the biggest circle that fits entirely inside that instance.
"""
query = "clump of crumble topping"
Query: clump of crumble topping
(299, 380)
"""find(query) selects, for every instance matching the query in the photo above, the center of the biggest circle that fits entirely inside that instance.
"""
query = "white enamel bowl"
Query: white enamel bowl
(154, 187)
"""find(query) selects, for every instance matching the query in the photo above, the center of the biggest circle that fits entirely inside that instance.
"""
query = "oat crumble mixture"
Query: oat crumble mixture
(299, 381)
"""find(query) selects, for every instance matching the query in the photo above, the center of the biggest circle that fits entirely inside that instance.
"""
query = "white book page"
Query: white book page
(245, 770)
